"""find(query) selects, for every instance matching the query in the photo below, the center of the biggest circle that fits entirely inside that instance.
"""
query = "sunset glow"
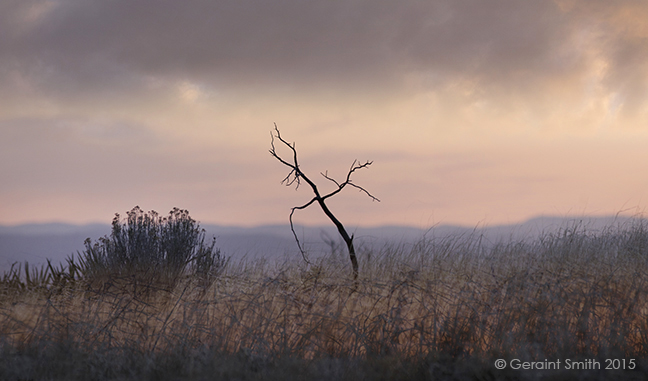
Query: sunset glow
(473, 112)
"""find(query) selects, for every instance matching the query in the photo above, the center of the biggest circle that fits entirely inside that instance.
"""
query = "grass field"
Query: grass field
(440, 309)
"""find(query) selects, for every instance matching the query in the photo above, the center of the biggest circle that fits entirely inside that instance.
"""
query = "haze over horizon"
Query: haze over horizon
(472, 112)
(548, 223)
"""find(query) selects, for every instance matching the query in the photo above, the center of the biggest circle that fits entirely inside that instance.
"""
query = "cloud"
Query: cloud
(182, 94)
(71, 45)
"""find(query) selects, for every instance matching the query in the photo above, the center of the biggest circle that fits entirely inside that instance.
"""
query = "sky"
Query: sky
(472, 112)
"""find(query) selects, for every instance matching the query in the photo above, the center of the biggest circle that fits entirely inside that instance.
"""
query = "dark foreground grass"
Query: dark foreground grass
(441, 309)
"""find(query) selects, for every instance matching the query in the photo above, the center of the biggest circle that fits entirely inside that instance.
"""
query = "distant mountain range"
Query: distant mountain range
(36, 243)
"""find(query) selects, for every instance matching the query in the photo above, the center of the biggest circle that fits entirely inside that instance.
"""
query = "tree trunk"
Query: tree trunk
(345, 236)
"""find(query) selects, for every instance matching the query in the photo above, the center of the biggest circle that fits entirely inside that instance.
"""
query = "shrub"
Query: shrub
(146, 243)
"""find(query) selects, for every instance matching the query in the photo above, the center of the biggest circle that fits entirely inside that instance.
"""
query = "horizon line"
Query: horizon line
(480, 224)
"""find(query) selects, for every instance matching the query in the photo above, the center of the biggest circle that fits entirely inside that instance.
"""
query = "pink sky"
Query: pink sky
(473, 112)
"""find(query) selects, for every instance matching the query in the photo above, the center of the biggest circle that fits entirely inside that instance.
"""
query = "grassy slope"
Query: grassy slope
(441, 309)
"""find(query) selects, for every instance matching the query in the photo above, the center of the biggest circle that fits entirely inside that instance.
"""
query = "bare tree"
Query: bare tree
(296, 175)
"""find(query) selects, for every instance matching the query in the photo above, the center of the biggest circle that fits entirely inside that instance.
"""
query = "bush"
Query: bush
(148, 244)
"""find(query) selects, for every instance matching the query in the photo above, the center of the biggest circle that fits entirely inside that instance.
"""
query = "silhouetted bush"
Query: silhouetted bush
(146, 243)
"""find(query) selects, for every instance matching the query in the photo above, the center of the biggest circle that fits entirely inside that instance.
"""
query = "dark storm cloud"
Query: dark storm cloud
(73, 45)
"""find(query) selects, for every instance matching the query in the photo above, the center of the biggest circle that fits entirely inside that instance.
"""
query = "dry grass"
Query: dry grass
(441, 309)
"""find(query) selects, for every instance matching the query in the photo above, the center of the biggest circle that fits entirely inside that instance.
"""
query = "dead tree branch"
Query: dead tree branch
(295, 176)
